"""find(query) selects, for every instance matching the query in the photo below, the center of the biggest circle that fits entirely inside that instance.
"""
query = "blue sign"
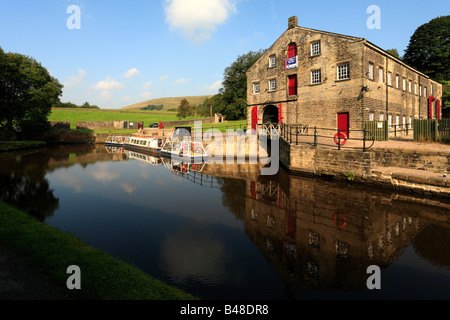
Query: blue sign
(291, 63)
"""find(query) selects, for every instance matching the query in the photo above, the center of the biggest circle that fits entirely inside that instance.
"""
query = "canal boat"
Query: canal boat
(117, 141)
(142, 143)
(184, 150)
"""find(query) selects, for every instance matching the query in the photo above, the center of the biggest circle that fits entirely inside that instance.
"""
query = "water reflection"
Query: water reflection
(225, 232)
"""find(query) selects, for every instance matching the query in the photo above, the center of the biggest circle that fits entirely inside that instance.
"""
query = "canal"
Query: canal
(225, 232)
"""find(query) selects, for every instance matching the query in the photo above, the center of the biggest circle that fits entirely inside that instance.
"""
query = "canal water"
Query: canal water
(225, 232)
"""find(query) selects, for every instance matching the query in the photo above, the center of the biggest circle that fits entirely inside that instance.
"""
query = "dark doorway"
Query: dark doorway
(270, 114)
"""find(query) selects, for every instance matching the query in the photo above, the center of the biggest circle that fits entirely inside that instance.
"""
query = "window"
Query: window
(389, 80)
(415, 88)
(292, 82)
(316, 77)
(397, 120)
(370, 71)
(431, 89)
(410, 86)
(425, 91)
(272, 61)
(410, 123)
(371, 116)
(315, 48)
(256, 87)
(272, 85)
(397, 81)
(404, 122)
(404, 84)
(390, 121)
(292, 50)
(420, 90)
(380, 75)
(343, 71)
(381, 116)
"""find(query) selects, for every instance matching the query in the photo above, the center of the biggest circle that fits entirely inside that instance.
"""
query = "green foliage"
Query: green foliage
(350, 176)
(69, 104)
(429, 48)
(153, 107)
(27, 91)
(184, 109)
(231, 101)
(394, 52)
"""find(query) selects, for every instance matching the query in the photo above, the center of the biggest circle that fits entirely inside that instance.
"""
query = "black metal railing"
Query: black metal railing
(335, 138)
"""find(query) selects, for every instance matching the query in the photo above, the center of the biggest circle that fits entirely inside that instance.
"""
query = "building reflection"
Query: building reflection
(319, 234)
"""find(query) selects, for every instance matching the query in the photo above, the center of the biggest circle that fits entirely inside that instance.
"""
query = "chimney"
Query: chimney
(292, 22)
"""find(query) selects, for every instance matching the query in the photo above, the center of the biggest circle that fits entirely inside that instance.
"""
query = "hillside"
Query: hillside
(168, 103)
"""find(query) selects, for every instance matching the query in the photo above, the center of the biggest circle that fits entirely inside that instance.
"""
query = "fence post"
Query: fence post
(339, 139)
(296, 135)
(315, 136)
(364, 140)
(290, 134)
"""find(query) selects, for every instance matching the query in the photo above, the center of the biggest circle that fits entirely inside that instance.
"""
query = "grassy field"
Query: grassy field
(109, 115)
(168, 103)
(103, 277)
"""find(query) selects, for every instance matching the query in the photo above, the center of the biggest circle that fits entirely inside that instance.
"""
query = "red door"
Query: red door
(342, 123)
(254, 117)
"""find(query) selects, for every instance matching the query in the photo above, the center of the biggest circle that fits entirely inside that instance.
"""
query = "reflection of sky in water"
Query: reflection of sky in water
(183, 234)
(152, 187)
(173, 229)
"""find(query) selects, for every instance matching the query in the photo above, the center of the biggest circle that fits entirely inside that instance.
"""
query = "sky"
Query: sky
(113, 53)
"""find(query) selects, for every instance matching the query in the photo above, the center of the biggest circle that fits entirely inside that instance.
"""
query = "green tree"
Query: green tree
(233, 99)
(184, 109)
(27, 91)
(429, 49)
(394, 52)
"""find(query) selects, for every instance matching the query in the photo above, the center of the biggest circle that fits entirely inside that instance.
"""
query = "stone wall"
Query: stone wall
(64, 125)
(167, 124)
(94, 125)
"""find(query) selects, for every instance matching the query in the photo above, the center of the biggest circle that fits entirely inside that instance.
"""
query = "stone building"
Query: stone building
(335, 81)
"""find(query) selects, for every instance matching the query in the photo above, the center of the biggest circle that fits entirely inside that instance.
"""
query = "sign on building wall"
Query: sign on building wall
(291, 62)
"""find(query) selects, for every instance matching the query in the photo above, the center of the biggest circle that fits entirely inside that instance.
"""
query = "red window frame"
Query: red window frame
(292, 84)
(292, 50)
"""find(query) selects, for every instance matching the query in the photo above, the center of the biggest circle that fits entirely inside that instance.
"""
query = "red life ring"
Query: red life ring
(342, 218)
(343, 138)
(184, 168)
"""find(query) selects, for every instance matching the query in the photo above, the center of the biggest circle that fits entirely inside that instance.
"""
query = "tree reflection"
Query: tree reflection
(33, 196)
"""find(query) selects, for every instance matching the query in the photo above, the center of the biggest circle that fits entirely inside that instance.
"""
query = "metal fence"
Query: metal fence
(332, 138)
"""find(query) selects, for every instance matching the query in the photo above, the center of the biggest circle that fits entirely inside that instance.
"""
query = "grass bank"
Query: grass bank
(103, 277)
(75, 116)
(18, 145)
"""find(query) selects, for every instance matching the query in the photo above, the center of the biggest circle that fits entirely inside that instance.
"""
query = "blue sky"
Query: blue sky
(125, 52)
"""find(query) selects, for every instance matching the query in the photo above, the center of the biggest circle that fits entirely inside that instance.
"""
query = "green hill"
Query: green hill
(168, 103)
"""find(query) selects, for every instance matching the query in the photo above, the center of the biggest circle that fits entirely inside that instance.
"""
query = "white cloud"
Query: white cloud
(106, 86)
(74, 80)
(163, 78)
(146, 95)
(131, 73)
(198, 19)
(214, 87)
(181, 81)
(127, 98)
(147, 85)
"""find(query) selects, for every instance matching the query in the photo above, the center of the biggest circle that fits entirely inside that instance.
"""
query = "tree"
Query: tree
(234, 86)
(429, 49)
(184, 109)
(394, 52)
(231, 101)
(27, 91)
